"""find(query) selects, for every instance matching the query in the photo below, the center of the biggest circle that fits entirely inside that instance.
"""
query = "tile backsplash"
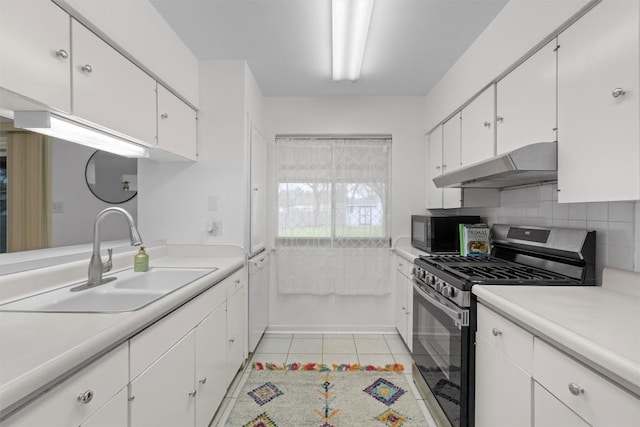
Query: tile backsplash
(617, 223)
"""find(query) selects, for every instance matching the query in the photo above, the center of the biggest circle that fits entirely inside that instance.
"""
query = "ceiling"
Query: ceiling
(287, 43)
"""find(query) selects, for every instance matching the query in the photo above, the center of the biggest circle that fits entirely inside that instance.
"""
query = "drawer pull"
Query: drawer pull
(87, 68)
(85, 397)
(575, 389)
(496, 332)
(237, 281)
(193, 393)
(232, 340)
(203, 380)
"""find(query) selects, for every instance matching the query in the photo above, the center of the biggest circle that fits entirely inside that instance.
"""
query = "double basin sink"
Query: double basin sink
(129, 291)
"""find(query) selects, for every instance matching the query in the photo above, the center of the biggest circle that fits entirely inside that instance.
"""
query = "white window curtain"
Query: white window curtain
(333, 215)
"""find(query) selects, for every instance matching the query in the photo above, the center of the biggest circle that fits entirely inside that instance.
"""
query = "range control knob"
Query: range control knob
(439, 286)
(448, 291)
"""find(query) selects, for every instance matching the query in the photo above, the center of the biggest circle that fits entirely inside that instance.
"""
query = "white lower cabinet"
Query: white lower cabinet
(236, 332)
(404, 300)
(550, 412)
(211, 365)
(164, 394)
(499, 380)
(81, 396)
(113, 413)
(521, 380)
(503, 384)
(174, 373)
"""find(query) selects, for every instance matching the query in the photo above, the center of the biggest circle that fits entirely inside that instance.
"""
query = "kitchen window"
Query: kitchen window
(333, 215)
(333, 191)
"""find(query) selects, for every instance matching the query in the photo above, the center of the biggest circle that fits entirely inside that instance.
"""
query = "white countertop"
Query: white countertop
(409, 252)
(38, 348)
(598, 325)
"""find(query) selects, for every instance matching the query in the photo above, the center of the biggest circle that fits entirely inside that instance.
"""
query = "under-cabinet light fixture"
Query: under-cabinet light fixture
(350, 26)
(50, 124)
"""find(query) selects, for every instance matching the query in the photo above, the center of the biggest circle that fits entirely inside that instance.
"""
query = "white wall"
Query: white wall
(175, 197)
(403, 118)
(139, 29)
(519, 26)
(75, 224)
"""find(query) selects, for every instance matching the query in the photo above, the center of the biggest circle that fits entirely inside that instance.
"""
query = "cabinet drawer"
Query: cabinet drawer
(596, 399)
(61, 406)
(404, 266)
(506, 337)
(151, 343)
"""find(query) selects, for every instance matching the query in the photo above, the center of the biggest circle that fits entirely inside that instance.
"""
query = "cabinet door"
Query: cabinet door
(177, 125)
(451, 134)
(526, 102)
(109, 90)
(114, 413)
(503, 389)
(36, 52)
(434, 168)
(258, 190)
(80, 396)
(478, 118)
(550, 412)
(211, 365)
(598, 126)
(164, 395)
(236, 331)
(401, 308)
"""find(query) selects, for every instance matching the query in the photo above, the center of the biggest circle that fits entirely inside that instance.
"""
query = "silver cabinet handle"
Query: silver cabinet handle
(487, 124)
(193, 393)
(499, 119)
(85, 397)
(164, 116)
(203, 380)
(617, 92)
(62, 54)
(87, 68)
(232, 340)
(237, 281)
(401, 264)
(575, 389)
(496, 332)
(438, 167)
(404, 308)
(131, 399)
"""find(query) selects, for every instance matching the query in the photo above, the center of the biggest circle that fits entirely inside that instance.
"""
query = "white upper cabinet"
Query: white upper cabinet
(598, 105)
(451, 139)
(36, 52)
(526, 102)
(177, 125)
(478, 123)
(434, 168)
(110, 90)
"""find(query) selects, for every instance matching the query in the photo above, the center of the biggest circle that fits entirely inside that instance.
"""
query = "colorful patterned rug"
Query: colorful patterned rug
(319, 395)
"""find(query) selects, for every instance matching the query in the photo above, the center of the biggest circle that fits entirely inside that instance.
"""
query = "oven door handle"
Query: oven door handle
(460, 317)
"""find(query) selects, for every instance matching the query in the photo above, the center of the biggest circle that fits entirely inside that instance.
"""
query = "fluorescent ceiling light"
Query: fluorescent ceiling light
(48, 123)
(350, 25)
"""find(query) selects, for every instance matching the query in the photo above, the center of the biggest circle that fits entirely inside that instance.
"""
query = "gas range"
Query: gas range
(519, 256)
(444, 311)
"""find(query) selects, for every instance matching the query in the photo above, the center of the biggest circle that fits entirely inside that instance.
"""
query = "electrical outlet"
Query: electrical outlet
(58, 207)
(216, 228)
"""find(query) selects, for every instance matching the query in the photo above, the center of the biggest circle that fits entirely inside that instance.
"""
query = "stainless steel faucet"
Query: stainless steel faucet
(96, 267)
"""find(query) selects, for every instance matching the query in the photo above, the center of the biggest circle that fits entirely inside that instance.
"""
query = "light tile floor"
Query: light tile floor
(365, 349)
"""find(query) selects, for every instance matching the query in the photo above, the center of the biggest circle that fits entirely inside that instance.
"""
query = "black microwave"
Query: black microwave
(438, 234)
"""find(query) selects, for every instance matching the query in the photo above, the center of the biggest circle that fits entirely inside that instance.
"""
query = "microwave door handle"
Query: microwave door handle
(460, 317)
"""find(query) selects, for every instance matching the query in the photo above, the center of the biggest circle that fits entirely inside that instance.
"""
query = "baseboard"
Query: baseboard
(331, 329)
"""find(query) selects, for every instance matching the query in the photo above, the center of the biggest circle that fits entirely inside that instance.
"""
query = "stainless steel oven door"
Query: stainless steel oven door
(441, 341)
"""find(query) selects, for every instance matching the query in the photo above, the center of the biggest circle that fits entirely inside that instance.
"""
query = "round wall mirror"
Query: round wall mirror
(112, 178)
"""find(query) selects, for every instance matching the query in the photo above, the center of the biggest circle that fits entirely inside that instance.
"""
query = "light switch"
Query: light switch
(213, 203)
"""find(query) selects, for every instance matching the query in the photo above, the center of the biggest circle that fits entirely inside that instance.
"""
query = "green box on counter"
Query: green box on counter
(474, 240)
